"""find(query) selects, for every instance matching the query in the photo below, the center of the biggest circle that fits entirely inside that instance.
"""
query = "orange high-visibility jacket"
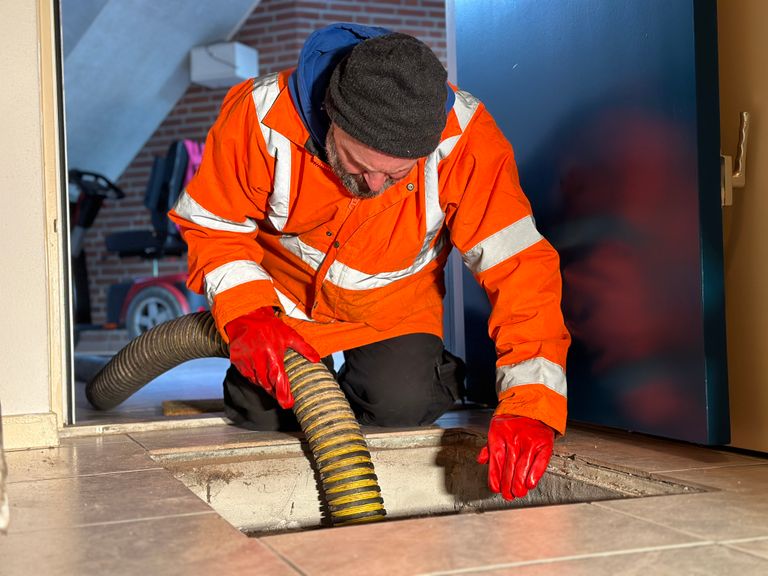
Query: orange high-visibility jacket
(269, 224)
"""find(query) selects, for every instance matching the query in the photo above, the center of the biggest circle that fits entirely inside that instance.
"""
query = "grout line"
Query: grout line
(751, 553)
(92, 474)
(118, 522)
(649, 520)
(698, 469)
(283, 557)
(558, 559)
(107, 429)
(744, 540)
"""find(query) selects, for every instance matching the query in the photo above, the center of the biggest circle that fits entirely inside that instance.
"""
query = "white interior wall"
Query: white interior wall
(24, 353)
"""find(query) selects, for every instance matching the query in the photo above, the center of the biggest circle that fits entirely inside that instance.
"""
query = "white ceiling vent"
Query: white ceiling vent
(223, 64)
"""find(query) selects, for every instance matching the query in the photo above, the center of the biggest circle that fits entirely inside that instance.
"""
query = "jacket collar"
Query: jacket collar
(283, 116)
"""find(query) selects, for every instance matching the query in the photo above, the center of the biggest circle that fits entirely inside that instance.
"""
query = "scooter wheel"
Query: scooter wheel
(151, 306)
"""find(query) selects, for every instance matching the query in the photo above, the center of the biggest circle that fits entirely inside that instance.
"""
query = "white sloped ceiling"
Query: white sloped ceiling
(126, 64)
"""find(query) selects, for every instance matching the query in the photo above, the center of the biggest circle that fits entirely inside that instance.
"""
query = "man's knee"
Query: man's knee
(406, 413)
(250, 406)
(406, 381)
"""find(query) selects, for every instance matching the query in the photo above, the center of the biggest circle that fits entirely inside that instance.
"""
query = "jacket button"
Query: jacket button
(329, 233)
(336, 244)
(410, 187)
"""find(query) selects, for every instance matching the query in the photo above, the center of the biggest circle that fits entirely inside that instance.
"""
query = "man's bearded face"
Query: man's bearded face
(354, 183)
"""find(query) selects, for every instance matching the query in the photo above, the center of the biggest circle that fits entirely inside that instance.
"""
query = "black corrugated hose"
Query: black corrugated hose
(337, 444)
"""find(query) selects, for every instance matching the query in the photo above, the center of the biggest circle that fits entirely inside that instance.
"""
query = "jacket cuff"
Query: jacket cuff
(241, 300)
(535, 401)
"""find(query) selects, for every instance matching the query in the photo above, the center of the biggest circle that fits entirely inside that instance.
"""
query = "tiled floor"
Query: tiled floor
(100, 505)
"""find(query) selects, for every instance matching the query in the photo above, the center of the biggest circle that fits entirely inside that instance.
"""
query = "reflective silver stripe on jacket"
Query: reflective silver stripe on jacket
(265, 92)
(464, 107)
(502, 245)
(349, 278)
(534, 371)
(290, 307)
(232, 274)
(190, 210)
(305, 252)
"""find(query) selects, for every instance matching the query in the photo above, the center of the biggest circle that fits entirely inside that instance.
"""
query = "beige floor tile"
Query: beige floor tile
(468, 541)
(208, 436)
(219, 437)
(78, 457)
(188, 546)
(95, 439)
(637, 452)
(64, 502)
(712, 516)
(732, 478)
(758, 547)
(711, 560)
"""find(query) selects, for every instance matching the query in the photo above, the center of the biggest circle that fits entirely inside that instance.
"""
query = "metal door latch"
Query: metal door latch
(732, 171)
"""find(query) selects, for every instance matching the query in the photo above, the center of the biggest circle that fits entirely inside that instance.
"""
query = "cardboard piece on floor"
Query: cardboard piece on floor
(192, 407)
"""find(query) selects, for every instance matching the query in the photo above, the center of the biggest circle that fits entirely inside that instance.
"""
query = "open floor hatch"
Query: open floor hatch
(271, 486)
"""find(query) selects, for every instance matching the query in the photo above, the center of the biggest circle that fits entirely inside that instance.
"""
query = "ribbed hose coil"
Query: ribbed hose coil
(350, 485)
(153, 353)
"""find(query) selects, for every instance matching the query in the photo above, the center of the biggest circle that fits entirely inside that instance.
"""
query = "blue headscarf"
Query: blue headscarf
(322, 51)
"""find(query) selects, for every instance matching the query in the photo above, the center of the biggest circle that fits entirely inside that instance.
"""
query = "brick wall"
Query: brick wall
(277, 29)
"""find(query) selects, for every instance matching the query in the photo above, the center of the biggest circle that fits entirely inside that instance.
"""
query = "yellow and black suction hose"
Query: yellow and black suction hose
(349, 482)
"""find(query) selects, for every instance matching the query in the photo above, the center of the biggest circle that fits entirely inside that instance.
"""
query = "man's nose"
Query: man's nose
(375, 180)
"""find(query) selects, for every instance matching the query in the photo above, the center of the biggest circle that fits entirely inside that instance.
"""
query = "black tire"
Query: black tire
(151, 306)
(80, 290)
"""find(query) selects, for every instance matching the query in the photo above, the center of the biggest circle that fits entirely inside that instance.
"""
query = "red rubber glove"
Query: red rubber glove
(518, 450)
(257, 345)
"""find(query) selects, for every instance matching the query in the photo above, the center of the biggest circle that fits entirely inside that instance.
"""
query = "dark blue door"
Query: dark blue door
(612, 109)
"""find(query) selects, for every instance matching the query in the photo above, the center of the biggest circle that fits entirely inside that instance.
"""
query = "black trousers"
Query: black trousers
(409, 380)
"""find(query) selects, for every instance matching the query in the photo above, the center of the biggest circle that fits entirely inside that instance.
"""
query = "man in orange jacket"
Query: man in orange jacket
(321, 218)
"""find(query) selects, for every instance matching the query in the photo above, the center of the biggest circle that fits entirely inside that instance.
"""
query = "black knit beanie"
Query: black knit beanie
(390, 93)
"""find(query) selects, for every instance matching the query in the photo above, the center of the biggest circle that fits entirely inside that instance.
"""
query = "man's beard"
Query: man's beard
(354, 183)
